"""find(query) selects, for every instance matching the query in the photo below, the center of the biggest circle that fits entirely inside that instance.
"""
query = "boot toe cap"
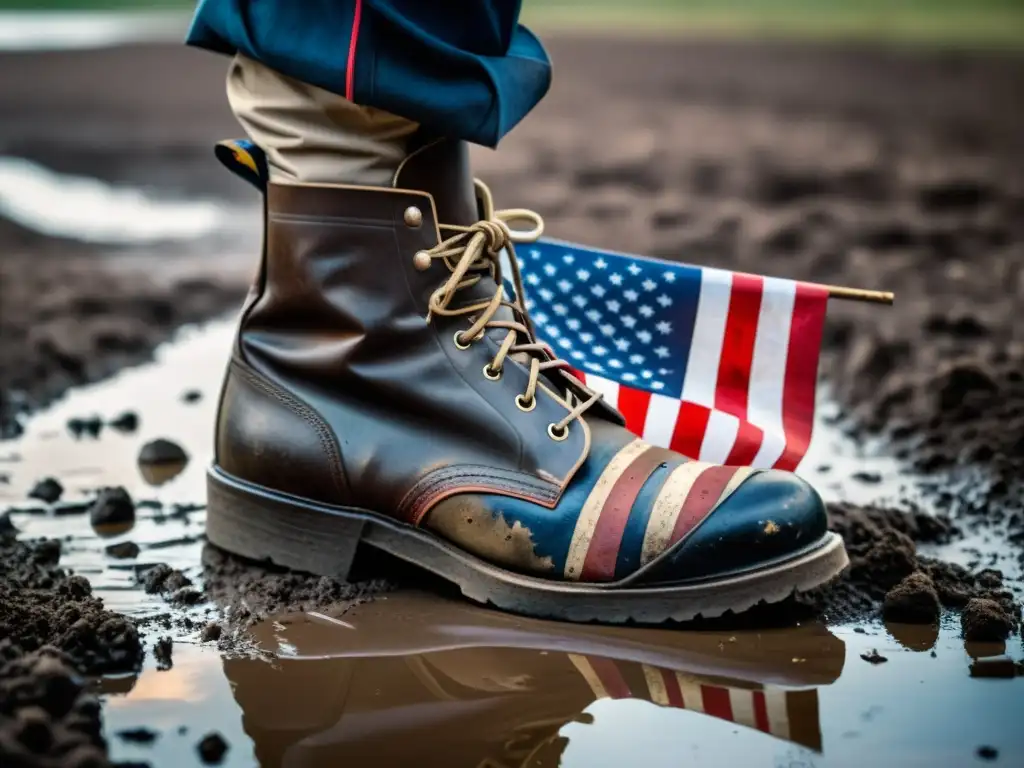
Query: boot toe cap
(771, 516)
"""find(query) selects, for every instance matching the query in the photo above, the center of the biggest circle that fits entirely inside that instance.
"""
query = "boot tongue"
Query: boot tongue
(441, 168)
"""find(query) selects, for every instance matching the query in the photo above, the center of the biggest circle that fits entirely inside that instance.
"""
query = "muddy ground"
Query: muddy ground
(871, 168)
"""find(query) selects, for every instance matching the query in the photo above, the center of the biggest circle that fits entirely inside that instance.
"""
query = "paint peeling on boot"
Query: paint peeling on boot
(771, 528)
(469, 523)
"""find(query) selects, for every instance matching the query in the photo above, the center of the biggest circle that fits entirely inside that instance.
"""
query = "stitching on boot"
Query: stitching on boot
(443, 481)
(308, 415)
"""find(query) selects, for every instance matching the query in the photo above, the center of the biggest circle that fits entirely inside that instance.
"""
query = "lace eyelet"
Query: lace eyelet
(491, 375)
(458, 342)
(523, 405)
(555, 435)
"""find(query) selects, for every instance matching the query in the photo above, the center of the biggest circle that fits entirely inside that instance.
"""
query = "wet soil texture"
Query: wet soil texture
(898, 171)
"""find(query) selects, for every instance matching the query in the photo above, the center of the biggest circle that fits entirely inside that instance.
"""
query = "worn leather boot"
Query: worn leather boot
(384, 392)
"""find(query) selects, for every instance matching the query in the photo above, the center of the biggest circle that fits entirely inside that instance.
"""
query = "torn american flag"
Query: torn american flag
(720, 366)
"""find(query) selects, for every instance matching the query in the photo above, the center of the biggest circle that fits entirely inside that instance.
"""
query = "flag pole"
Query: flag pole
(859, 294)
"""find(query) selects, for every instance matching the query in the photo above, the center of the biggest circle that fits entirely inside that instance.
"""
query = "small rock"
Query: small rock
(212, 748)
(211, 632)
(126, 422)
(985, 620)
(192, 396)
(90, 426)
(162, 451)
(871, 478)
(162, 653)
(123, 550)
(185, 596)
(47, 489)
(112, 507)
(139, 735)
(6, 526)
(914, 601)
(163, 578)
(874, 657)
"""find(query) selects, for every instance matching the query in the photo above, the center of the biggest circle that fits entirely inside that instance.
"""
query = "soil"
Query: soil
(873, 168)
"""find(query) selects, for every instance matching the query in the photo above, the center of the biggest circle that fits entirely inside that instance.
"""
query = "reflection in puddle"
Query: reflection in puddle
(415, 679)
(92, 211)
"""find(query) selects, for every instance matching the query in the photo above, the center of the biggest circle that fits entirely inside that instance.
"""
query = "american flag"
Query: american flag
(720, 366)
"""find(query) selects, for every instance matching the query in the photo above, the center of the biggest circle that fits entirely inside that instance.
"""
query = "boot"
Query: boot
(384, 392)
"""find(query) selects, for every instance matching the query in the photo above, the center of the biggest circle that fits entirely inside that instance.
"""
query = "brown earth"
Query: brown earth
(873, 168)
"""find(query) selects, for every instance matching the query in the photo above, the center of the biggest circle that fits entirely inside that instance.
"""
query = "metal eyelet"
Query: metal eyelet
(413, 216)
(557, 436)
(521, 403)
(421, 261)
(458, 343)
(491, 375)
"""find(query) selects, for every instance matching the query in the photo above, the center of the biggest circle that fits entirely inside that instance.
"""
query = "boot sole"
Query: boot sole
(299, 534)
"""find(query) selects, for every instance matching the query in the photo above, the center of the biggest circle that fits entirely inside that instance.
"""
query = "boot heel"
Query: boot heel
(271, 530)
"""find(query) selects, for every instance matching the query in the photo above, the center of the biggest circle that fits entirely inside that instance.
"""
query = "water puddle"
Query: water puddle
(420, 679)
(61, 30)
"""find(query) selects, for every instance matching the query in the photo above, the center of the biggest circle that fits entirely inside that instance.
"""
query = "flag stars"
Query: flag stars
(647, 374)
(568, 258)
(579, 301)
(613, 305)
(530, 305)
(598, 290)
(593, 315)
(615, 278)
(560, 309)
(664, 371)
(629, 376)
(540, 318)
(636, 359)
(600, 351)
(622, 345)
(614, 363)
(582, 274)
(648, 285)
(664, 327)
(553, 332)
(661, 352)
(564, 286)
(645, 310)
(601, 263)
(669, 277)
(608, 329)
(549, 270)
(546, 294)
(586, 338)
(628, 320)
(572, 324)
(634, 270)
(630, 295)
(596, 367)
(576, 355)
(657, 385)
(644, 337)
(532, 279)
(565, 344)
(534, 253)
(664, 300)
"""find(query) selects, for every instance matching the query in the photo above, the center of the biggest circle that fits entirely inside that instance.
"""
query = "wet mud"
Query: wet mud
(876, 169)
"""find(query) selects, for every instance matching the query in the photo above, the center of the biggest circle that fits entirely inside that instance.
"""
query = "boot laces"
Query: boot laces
(471, 253)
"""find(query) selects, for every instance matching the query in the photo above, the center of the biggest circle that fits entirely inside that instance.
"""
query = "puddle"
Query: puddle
(421, 679)
(93, 211)
(61, 30)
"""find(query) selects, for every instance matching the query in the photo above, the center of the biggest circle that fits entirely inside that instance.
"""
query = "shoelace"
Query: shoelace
(474, 250)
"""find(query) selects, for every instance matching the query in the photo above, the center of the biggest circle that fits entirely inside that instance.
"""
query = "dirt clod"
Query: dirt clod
(47, 490)
(162, 650)
(112, 507)
(985, 620)
(126, 422)
(212, 748)
(914, 601)
(211, 632)
(161, 451)
(163, 578)
(140, 735)
(123, 550)
(874, 657)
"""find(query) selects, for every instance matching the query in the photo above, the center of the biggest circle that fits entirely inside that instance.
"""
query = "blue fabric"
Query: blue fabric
(464, 69)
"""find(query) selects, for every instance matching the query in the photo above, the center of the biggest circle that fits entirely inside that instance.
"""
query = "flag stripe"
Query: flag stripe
(660, 423)
(809, 310)
(691, 425)
(741, 702)
(702, 498)
(582, 664)
(610, 676)
(606, 387)
(776, 703)
(761, 712)
(675, 695)
(716, 701)
(746, 445)
(603, 552)
(708, 335)
(591, 511)
(768, 368)
(738, 347)
(655, 678)
(633, 404)
(719, 436)
(689, 692)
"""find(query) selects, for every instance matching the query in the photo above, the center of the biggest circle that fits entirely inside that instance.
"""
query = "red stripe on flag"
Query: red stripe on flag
(675, 695)
(748, 443)
(353, 41)
(691, 424)
(809, 310)
(716, 701)
(701, 499)
(633, 405)
(611, 678)
(761, 712)
(603, 552)
(738, 345)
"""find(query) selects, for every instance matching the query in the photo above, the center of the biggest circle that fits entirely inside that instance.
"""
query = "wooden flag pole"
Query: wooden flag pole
(859, 294)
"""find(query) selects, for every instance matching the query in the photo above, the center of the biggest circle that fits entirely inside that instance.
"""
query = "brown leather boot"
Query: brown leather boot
(384, 393)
